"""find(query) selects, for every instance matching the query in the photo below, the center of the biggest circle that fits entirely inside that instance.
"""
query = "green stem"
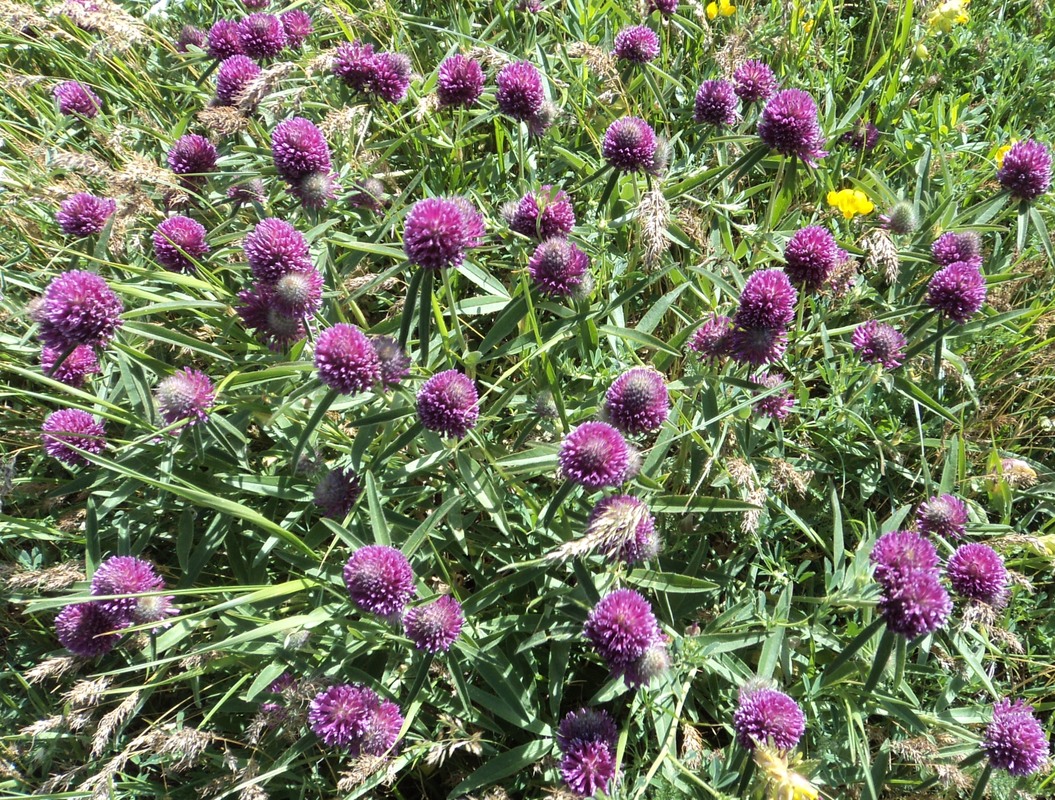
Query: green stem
(455, 323)
(983, 781)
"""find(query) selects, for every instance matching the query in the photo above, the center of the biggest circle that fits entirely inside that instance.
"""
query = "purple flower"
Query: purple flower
(758, 346)
(262, 36)
(636, 43)
(767, 301)
(368, 193)
(915, 604)
(84, 214)
(346, 359)
(811, 256)
(901, 219)
(768, 717)
(439, 230)
(275, 248)
(76, 98)
(1026, 171)
(448, 404)
(944, 515)
(459, 81)
(864, 136)
(299, 149)
(85, 629)
(232, 76)
(248, 192)
(225, 39)
(520, 93)
(664, 7)
(316, 189)
(637, 402)
(191, 157)
(339, 715)
(712, 341)
(379, 579)
(353, 63)
(776, 406)
(621, 628)
(296, 24)
(544, 214)
(190, 35)
(186, 394)
(391, 76)
(337, 492)
(588, 767)
(298, 294)
(73, 369)
(78, 308)
(394, 361)
(1014, 740)
(951, 247)
(434, 626)
(259, 310)
(624, 528)
(715, 103)
(557, 267)
(878, 343)
(957, 291)
(595, 455)
(653, 663)
(382, 729)
(68, 428)
(177, 240)
(789, 125)
(754, 81)
(630, 145)
(586, 725)
(977, 572)
(901, 553)
(132, 576)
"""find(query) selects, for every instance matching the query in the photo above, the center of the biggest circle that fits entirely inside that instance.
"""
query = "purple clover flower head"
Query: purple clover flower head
(630, 145)
(434, 626)
(544, 214)
(382, 729)
(298, 294)
(353, 63)
(394, 360)
(186, 394)
(248, 192)
(127, 575)
(84, 214)
(74, 369)
(758, 346)
(586, 725)
(638, 44)
(191, 158)
(776, 406)
(346, 360)
(178, 240)
(977, 572)
(957, 291)
(621, 628)
(1014, 740)
(952, 246)
(879, 343)
(299, 149)
(520, 94)
(448, 404)
(260, 311)
(232, 76)
(588, 767)
(339, 715)
(190, 35)
(262, 36)
(275, 248)
(297, 26)
(863, 137)
(439, 230)
(316, 189)
(379, 579)
(78, 308)
(85, 629)
(558, 267)
(337, 492)
(257, 5)
(789, 125)
(664, 7)
(654, 663)
(625, 529)
(368, 193)
(637, 402)
(767, 301)
(459, 82)
(916, 604)
(715, 103)
(754, 82)
(76, 98)
(68, 428)
(712, 341)
(1026, 171)
(225, 39)
(543, 119)
(595, 455)
(391, 76)
(767, 717)
(811, 256)
(944, 515)
(898, 554)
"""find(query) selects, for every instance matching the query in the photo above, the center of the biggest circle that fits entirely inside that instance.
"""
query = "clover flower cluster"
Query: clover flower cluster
(587, 742)
(624, 632)
(302, 159)
(913, 601)
(353, 717)
(258, 36)
(383, 75)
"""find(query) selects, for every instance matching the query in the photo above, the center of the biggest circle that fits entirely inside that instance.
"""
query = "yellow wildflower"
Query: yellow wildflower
(850, 202)
(948, 14)
(723, 7)
(781, 782)
(1001, 152)
(807, 26)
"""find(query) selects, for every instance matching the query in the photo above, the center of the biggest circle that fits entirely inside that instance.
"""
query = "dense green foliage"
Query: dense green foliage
(766, 525)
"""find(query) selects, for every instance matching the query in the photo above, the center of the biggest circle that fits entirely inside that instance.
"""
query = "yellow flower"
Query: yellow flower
(723, 7)
(1001, 152)
(948, 14)
(851, 202)
(807, 26)
(781, 782)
